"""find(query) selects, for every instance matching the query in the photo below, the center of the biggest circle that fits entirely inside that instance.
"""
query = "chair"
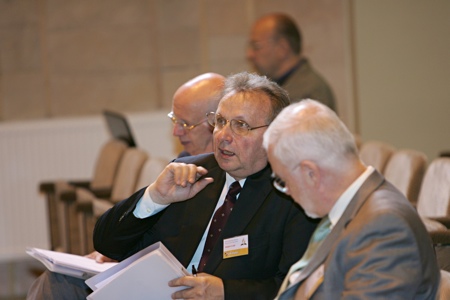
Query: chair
(88, 207)
(444, 286)
(376, 154)
(434, 196)
(150, 171)
(433, 206)
(103, 175)
(405, 170)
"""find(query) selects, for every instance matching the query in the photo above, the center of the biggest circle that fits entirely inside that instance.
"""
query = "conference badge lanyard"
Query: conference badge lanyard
(235, 246)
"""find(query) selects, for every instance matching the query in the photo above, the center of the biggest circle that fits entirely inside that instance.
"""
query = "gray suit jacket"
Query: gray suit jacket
(378, 249)
(305, 82)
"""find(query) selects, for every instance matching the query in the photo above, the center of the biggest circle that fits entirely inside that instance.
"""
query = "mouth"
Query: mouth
(226, 152)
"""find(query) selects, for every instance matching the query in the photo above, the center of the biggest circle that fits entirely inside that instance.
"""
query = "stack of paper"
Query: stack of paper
(69, 264)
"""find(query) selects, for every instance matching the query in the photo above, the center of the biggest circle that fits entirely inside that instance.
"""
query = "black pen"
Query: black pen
(194, 271)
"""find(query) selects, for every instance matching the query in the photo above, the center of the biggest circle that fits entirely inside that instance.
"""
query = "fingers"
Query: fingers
(100, 258)
(204, 286)
(184, 174)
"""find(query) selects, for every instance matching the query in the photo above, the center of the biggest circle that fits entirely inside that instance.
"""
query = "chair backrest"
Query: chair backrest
(444, 287)
(128, 174)
(150, 171)
(376, 154)
(405, 170)
(107, 164)
(434, 196)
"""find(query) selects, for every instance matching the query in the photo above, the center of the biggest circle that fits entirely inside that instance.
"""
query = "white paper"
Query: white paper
(69, 264)
(145, 275)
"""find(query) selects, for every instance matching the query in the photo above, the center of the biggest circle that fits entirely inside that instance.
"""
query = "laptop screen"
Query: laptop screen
(118, 127)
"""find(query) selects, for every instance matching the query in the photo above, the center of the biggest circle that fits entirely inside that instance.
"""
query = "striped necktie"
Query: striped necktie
(218, 222)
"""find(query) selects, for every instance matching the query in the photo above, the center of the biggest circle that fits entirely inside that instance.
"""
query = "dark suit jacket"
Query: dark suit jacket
(277, 228)
(379, 249)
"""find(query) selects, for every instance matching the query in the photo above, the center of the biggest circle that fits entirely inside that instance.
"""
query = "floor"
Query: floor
(17, 276)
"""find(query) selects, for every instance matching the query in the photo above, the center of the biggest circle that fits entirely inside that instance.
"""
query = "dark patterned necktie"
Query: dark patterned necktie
(218, 222)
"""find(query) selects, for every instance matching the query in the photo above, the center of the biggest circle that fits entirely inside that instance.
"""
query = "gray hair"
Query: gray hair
(309, 130)
(245, 82)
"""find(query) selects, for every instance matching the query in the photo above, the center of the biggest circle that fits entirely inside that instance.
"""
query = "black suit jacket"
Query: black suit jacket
(277, 228)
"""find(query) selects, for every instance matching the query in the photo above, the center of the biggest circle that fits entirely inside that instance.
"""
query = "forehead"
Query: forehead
(246, 106)
(263, 29)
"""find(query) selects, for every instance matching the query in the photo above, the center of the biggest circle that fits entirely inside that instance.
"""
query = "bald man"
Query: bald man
(275, 50)
(191, 102)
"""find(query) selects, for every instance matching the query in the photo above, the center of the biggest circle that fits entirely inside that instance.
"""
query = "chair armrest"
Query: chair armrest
(443, 220)
(85, 207)
(103, 193)
(47, 187)
(80, 183)
(68, 196)
(440, 237)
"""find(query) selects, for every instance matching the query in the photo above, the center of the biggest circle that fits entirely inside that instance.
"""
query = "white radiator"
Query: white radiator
(31, 152)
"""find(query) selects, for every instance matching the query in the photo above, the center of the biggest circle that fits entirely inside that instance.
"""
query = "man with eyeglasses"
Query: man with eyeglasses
(275, 50)
(370, 243)
(190, 104)
(200, 205)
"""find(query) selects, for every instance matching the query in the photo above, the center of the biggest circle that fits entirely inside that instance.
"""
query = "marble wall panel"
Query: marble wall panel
(89, 94)
(100, 49)
(85, 13)
(20, 49)
(17, 13)
(22, 96)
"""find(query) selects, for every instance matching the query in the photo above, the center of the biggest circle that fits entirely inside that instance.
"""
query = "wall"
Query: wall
(74, 58)
(57, 149)
(403, 72)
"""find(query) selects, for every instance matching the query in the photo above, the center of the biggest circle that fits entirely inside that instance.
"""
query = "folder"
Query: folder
(144, 275)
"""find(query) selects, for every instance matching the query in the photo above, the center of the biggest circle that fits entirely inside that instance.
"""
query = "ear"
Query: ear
(310, 172)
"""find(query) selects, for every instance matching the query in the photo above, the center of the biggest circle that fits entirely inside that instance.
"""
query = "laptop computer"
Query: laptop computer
(118, 127)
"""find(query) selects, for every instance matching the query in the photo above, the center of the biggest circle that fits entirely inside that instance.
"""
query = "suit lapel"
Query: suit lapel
(370, 185)
(254, 192)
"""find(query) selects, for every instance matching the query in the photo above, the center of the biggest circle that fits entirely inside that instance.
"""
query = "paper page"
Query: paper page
(69, 264)
(145, 275)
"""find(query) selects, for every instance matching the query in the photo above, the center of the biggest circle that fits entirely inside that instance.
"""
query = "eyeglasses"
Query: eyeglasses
(279, 184)
(182, 123)
(239, 127)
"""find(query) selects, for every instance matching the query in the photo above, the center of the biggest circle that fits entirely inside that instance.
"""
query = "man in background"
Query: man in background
(275, 50)
(370, 243)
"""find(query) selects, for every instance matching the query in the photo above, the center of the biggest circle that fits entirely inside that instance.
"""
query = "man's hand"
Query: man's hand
(203, 286)
(178, 182)
(100, 258)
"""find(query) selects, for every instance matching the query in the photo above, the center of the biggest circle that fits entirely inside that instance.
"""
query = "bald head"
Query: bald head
(190, 104)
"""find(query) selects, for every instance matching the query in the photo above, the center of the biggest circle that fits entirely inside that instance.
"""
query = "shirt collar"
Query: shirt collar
(343, 201)
(229, 180)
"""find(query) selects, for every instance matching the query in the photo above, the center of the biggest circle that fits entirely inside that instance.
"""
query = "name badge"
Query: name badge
(235, 246)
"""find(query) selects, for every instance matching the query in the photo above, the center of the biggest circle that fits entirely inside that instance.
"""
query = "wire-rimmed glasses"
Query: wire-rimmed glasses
(237, 126)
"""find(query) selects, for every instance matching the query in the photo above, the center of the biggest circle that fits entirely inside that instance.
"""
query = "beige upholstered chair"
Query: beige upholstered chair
(103, 176)
(434, 196)
(376, 154)
(444, 288)
(405, 170)
(150, 171)
(89, 207)
(433, 206)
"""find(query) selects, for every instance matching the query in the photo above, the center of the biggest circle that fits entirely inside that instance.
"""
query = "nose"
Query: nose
(178, 130)
(249, 53)
(224, 134)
